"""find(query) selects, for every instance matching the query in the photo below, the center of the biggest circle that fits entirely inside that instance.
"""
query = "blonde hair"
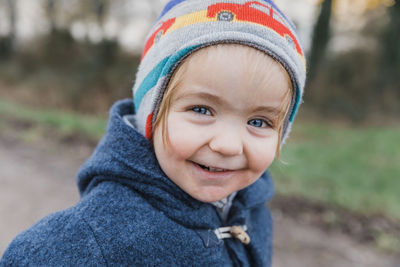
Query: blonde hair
(254, 59)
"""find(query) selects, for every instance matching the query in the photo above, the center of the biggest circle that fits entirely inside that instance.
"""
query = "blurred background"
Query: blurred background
(64, 62)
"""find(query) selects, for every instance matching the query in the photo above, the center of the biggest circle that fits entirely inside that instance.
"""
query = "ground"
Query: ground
(37, 176)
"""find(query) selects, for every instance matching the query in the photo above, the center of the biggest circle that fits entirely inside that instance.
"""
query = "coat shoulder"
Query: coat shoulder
(62, 238)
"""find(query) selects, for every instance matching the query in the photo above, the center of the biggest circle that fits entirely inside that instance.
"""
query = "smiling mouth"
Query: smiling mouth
(211, 169)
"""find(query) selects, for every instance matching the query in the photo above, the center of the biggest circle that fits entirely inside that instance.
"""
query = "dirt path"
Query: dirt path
(36, 179)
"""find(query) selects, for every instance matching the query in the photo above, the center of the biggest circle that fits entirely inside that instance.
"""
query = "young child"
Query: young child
(180, 177)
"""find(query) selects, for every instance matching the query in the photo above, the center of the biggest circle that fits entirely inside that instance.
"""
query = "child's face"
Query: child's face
(222, 127)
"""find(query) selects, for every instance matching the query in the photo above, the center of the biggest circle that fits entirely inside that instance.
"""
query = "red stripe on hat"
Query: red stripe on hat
(255, 12)
(149, 123)
(157, 35)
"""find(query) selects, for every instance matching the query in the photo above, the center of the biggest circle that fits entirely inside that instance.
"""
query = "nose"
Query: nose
(227, 141)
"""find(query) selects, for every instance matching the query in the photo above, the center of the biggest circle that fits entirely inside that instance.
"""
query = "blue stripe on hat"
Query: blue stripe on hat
(176, 57)
(296, 104)
(162, 69)
(149, 82)
(169, 6)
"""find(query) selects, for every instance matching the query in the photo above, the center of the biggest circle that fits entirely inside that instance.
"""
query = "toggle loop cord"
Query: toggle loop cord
(238, 232)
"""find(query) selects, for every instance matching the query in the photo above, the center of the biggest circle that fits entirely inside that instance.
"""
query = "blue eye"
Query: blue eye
(257, 123)
(201, 110)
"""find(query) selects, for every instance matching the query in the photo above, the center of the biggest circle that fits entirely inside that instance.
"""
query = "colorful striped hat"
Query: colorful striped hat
(185, 26)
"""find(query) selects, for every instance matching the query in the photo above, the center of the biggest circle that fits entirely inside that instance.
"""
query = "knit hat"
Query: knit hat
(185, 26)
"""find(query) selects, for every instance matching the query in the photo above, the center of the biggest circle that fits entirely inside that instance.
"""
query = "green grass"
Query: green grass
(356, 168)
(63, 122)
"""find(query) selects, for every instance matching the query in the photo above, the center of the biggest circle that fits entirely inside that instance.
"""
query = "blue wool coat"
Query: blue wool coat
(131, 214)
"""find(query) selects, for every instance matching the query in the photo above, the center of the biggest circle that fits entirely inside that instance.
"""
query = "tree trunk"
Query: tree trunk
(388, 71)
(51, 14)
(7, 44)
(320, 39)
(99, 9)
(13, 18)
(390, 51)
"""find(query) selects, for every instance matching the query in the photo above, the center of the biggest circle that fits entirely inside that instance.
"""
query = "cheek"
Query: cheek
(184, 139)
(263, 154)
